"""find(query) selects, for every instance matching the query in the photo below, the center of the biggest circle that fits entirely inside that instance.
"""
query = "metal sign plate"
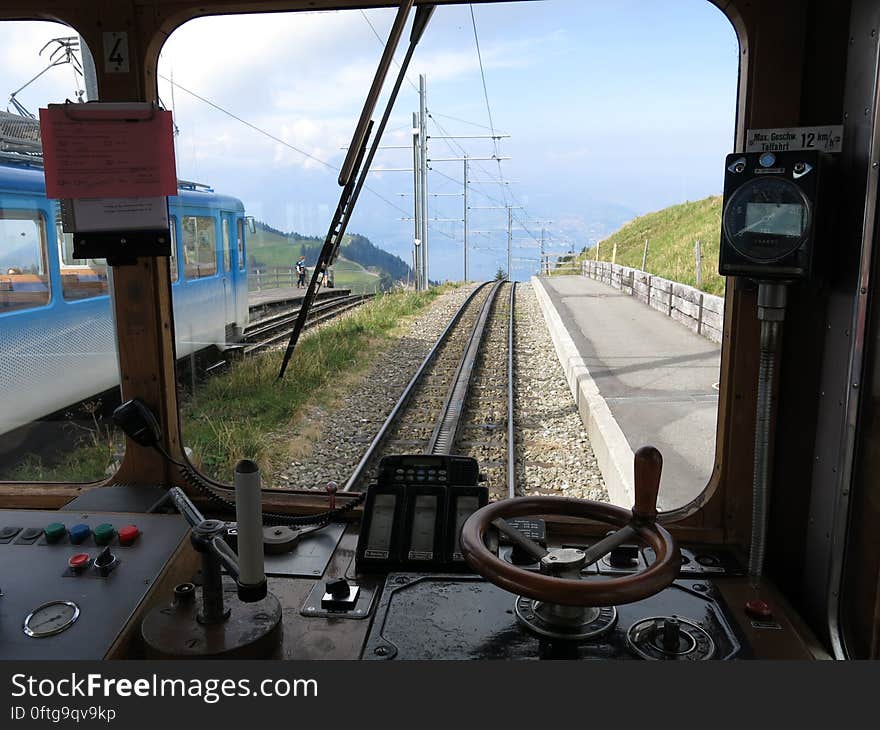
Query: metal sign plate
(115, 52)
(828, 138)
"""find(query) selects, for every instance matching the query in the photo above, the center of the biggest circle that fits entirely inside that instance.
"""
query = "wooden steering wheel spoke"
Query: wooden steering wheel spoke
(521, 541)
(639, 523)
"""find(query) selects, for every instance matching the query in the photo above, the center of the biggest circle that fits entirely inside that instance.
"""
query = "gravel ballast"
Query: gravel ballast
(553, 452)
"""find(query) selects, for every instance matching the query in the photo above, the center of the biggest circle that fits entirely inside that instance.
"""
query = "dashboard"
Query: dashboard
(395, 586)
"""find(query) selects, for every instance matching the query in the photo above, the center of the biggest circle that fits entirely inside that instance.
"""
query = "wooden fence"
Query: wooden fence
(703, 313)
(272, 278)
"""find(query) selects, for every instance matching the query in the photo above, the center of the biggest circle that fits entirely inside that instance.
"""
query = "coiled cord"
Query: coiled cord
(209, 488)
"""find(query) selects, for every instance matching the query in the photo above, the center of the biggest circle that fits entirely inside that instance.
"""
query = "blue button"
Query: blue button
(768, 159)
(78, 533)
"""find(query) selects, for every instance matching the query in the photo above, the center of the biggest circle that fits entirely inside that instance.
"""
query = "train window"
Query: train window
(227, 266)
(572, 168)
(24, 282)
(80, 278)
(172, 262)
(199, 246)
(239, 237)
(59, 369)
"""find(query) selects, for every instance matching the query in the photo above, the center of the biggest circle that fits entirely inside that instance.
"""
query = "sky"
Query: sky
(614, 109)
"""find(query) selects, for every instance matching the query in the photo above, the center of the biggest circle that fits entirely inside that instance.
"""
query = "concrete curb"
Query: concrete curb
(612, 450)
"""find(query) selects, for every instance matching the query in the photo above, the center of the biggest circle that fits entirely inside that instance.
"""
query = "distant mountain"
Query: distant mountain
(361, 265)
(22, 257)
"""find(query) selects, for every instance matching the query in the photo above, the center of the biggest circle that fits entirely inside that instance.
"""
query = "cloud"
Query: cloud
(21, 61)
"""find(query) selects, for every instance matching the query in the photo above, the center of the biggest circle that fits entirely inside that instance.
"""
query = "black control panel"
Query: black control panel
(771, 216)
(70, 582)
(413, 515)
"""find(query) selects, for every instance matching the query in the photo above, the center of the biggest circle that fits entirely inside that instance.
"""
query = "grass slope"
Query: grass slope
(671, 234)
(244, 413)
(271, 249)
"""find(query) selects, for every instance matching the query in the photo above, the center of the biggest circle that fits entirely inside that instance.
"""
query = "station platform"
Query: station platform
(289, 295)
(639, 378)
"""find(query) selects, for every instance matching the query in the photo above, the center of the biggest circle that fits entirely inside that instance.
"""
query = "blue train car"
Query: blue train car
(55, 312)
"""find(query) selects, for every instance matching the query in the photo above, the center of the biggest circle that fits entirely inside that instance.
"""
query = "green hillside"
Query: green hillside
(268, 248)
(671, 235)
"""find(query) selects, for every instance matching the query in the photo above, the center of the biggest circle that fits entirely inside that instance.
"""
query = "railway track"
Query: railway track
(274, 328)
(456, 387)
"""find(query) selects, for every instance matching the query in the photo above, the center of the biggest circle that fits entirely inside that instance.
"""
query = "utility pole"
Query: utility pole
(509, 209)
(465, 217)
(467, 159)
(542, 249)
(509, 241)
(417, 206)
(423, 172)
(421, 218)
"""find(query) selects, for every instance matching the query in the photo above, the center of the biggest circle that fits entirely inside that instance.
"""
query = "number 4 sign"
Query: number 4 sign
(116, 52)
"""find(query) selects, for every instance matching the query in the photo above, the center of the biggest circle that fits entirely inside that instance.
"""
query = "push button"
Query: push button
(7, 533)
(29, 535)
(54, 532)
(79, 562)
(128, 535)
(759, 609)
(79, 533)
(104, 533)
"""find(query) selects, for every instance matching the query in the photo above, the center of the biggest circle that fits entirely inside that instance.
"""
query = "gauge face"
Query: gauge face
(51, 618)
(421, 541)
(767, 219)
(381, 527)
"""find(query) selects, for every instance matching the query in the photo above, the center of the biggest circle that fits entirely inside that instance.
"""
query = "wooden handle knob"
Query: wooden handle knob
(648, 464)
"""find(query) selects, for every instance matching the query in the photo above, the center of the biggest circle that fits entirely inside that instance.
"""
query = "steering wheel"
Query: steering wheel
(559, 580)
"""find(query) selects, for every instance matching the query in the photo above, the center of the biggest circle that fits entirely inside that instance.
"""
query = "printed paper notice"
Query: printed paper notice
(107, 151)
(120, 214)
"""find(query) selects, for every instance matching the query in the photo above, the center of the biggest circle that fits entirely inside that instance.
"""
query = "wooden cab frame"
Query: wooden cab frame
(801, 63)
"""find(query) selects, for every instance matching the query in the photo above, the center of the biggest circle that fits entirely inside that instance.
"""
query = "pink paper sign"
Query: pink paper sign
(107, 151)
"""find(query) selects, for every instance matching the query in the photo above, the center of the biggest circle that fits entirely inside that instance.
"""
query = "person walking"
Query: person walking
(301, 273)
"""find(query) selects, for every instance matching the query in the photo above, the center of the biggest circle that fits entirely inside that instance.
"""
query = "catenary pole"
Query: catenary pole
(423, 167)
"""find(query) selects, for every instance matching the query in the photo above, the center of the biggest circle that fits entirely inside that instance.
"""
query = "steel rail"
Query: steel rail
(511, 436)
(280, 328)
(283, 313)
(446, 429)
(264, 311)
(368, 455)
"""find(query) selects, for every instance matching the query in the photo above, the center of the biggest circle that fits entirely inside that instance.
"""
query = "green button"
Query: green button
(55, 531)
(104, 533)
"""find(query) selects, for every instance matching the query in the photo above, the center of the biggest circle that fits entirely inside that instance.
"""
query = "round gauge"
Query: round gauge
(51, 618)
(767, 219)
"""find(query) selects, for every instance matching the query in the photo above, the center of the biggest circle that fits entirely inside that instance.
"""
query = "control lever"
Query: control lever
(247, 627)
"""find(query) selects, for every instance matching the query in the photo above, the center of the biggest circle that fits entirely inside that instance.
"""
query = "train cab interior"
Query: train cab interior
(781, 566)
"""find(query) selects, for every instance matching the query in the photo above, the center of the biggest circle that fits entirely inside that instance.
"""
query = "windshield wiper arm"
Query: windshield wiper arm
(353, 181)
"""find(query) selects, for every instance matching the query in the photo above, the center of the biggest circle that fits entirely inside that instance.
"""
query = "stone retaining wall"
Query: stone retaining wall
(700, 312)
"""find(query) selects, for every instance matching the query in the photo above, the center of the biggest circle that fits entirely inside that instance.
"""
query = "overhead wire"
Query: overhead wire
(382, 43)
(274, 138)
(483, 76)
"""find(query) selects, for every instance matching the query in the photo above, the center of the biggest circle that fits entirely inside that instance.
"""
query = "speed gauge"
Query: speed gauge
(767, 219)
(770, 213)
(51, 618)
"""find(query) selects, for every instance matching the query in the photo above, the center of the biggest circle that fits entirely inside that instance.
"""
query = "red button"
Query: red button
(79, 561)
(759, 609)
(128, 534)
